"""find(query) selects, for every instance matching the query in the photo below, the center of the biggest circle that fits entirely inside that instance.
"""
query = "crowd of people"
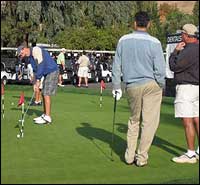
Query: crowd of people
(139, 57)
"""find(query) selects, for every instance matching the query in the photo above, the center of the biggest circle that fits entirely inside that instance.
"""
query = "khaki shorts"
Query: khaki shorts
(83, 72)
(50, 84)
(187, 101)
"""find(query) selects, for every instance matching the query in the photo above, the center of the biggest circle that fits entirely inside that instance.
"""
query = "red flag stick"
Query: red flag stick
(21, 102)
(103, 86)
(101, 98)
(2, 100)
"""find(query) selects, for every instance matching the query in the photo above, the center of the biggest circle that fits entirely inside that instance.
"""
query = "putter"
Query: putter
(29, 104)
(112, 143)
(21, 130)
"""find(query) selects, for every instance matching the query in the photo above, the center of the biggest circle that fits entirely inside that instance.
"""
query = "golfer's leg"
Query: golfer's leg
(86, 81)
(49, 89)
(132, 137)
(86, 76)
(79, 83)
(47, 100)
(134, 100)
(196, 114)
(189, 132)
(37, 95)
(196, 122)
(150, 119)
(44, 105)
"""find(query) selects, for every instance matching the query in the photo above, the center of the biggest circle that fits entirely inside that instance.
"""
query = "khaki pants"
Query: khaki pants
(145, 102)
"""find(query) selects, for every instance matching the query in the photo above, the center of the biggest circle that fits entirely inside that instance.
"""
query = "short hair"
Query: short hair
(142, 19)
(84, 52)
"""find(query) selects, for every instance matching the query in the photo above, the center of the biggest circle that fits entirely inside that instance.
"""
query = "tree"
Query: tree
(175, 21)
(83, 24)
(196, 13)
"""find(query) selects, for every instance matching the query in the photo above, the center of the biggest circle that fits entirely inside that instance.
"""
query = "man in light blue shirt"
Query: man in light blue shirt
(139, 58)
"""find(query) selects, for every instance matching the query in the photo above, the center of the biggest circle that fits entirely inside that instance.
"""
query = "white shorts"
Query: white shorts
(83, 72)
(187, 101)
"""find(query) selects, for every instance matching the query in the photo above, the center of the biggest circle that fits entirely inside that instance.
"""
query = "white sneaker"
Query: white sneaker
(197, 156)
(185, 159)
(60, 85)
(43, 120)
(141, 164)
(39, 118)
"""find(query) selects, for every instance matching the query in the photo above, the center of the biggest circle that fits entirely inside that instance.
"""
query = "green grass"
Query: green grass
(76, 147)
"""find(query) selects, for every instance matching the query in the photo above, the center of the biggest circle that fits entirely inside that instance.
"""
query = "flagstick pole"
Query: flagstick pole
(3, 110)
(22, 122)
(101, 98)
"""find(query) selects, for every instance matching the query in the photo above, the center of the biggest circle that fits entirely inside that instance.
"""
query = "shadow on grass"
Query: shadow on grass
(29, 112)
(167, 146)
(119, 147)
(158, 141)
(194, 180)
(92, 133)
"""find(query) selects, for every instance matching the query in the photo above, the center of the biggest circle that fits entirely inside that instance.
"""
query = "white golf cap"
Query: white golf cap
(189, 29)
(63, 49)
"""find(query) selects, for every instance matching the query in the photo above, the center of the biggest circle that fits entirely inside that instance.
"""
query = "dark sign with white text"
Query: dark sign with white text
(174, 38)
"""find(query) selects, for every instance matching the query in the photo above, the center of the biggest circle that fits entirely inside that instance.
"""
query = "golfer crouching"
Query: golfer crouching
(44, 65)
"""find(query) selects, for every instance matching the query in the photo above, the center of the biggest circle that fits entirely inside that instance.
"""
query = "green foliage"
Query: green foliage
(175, 21)
(84, 24)
(196, 13)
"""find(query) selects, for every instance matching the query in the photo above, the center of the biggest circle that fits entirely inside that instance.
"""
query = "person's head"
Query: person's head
(84, 52)
(189, 32)
(142, 20)
(63, 50)
(23, 51)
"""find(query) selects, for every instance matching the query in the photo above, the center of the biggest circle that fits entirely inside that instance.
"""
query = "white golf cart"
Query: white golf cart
(6, 75)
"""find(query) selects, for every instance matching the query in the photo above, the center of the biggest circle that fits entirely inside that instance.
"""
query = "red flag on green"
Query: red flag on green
(21, 100)
(2, 89)
(103, 85)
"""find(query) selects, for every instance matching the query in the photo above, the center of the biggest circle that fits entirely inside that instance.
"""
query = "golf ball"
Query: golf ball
(12, 103)
(18, 136)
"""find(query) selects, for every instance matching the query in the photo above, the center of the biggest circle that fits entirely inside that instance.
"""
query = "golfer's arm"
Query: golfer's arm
(116, 69)
(63, 61)
(159, 65)
(38, 57)
(40, 71)
(180, 61)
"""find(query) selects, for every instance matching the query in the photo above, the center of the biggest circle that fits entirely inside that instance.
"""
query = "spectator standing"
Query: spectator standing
(184, 62)
(61, 64)
(84, 63)
(139, 57)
